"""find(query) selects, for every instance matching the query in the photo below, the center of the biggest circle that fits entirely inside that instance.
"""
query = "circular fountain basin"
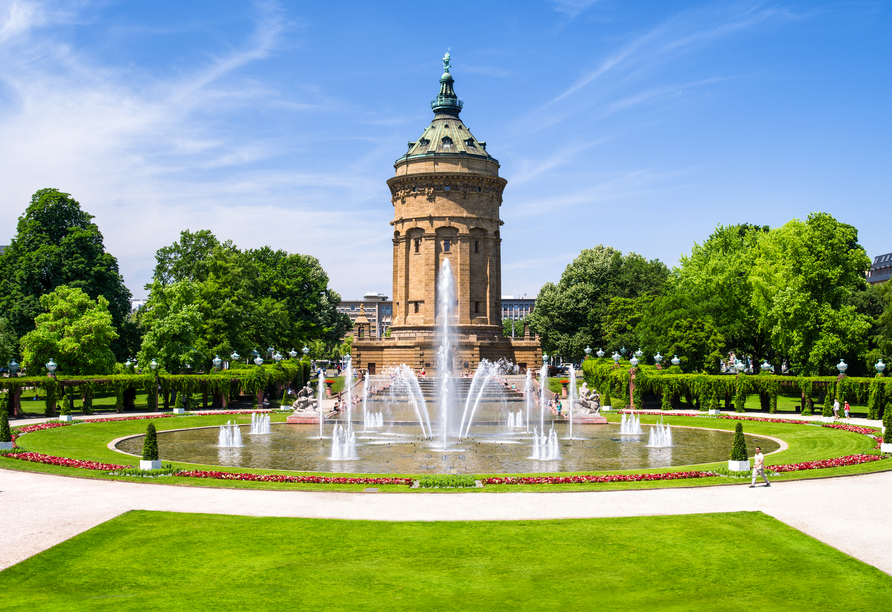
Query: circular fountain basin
(490, 449)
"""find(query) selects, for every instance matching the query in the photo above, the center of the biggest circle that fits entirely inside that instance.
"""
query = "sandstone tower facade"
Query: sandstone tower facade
(446, 196)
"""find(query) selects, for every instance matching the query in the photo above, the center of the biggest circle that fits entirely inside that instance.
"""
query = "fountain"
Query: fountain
(485, 377)
(528, 395)
(515, 419)
(546, 447)
(343, 443)
(572, 397)
(446, 341)
(260, 424)
(230, 436)
(660, 436)
(320, 393)
(630, 426)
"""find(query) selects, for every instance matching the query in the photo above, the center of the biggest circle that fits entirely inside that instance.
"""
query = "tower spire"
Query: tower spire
(447, 102)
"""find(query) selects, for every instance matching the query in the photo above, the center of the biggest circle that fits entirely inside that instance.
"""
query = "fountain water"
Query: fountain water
(404, 388)
(230, 436)
(320, 393)
(630, 426)
(543, 389)
(546, 447)
(515, 419)
(365, 402)
(373, 419)
(485, 374)
(446, 338)
(260, 424)
(528, 395)
(572, 397)
(660, 436)
(343, 443)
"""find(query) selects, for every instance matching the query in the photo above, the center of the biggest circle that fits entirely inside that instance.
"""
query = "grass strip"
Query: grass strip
(190, 562)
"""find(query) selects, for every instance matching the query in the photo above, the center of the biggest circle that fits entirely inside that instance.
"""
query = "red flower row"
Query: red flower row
(867, 431)
(294, 479)
(594, 478)
(825, 463)
(62, 461)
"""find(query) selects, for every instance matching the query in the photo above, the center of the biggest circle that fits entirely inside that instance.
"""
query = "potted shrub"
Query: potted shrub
(886, 445)
(65, 410)
(739, 461)
(5, 433)
(150, 459)
(712, 405)
(827, 410)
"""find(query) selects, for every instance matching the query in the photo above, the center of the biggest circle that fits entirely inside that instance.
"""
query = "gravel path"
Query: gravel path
(849, 513)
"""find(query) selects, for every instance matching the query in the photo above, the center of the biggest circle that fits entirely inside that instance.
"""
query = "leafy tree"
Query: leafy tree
(7, 343)
(513, 324)
(697, 343)
(570, 315)
(623, 317)
(57, 244)
(803, 275)
(172, 328)
(882, 335)
(243, 300)
(75, 331)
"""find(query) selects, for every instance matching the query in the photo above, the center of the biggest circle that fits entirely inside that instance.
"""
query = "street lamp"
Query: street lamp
(842, 366)
(675, 360)
(305, 351)
(587, 351)
(658, 358)
(235, 356)
(293, 353)
(765, 366)
(634, 361)
(217, 362)
(623, 350)
(880, 366)
(258, 361)
(13, 367)
(600, 353)
(639, 353)
(544, 358)
(277, 357)
(153, 365)
(51, 366)
(616, 357)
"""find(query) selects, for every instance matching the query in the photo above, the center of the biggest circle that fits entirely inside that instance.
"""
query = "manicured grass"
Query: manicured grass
(184, 562)
(88, 441)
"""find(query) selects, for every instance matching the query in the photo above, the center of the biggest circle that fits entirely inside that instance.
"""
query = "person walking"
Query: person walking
(759, 468)
(846, 409)
(835, 409)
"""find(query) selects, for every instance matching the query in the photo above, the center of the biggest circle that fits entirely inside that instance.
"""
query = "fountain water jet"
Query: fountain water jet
(343, 443)
(660, 436)
(546, 447)
(630, 426)
(446, 338)
(319, 395)
(230, 436)
(260, 424)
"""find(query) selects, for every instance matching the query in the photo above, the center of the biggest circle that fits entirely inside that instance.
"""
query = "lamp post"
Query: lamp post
(13, 368)
(616, 357)
(258, 360)
(255, 354)
(235, 356)
(658, 359)
(639, 353)
(544, 358)
(634, 361)
(154, 368)
(217, 362)
(842, 366)
(51, 366)
(277, 357)
(305, 351)
(293, 353)
(880, 366)
(587, 351)
(623, 350)
(675, 360)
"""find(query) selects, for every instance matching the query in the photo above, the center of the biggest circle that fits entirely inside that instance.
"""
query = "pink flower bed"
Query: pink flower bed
(293, 479)
(825, 463)
(594, 478)
(62, 461)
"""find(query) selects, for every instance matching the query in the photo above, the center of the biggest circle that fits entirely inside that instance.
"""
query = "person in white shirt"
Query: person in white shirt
(759, 468)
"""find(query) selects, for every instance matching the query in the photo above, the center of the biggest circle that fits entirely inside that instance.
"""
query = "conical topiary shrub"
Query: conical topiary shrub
(5, 433)
(887, 422)
(739, 461)
(150, 445)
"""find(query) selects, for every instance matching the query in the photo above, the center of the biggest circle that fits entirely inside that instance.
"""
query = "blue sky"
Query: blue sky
(640, 125)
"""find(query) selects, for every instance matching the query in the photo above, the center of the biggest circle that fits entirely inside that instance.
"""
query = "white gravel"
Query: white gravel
(850, 513)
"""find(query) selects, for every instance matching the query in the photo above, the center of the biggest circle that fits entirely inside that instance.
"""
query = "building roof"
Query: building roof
(447, 135)
(881, 269)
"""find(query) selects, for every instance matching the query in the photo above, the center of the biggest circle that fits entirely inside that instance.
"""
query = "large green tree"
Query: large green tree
(57, 243)
(802, 280)
(7, 343)
(570, 315)
(241, 300)
(75, 331)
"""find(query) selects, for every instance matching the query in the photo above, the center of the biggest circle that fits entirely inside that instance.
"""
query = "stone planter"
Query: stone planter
(739, 466)
(886, 447)
(564, 391)
(5, 445)
(606, 408)
(66, 417)
(154, 464)
(827, 419)
(715, 412)
(179, 411)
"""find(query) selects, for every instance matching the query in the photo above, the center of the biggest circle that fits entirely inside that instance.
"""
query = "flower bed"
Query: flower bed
(293, 479)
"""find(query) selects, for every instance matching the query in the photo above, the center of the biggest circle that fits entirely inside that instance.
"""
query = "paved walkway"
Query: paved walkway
(849, 513)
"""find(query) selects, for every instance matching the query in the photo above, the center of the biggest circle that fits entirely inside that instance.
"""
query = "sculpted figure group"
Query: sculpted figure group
(589, 400)
(304, 401)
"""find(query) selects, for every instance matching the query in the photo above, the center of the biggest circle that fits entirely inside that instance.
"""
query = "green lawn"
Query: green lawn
(182, 562)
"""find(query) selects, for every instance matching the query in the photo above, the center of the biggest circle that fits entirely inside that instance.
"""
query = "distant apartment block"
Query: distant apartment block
(881, 269)
(377, 308)
(517, 308)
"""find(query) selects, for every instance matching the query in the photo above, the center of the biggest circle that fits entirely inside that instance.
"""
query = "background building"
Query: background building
(378, 310)
(517, 308)
(881, 269)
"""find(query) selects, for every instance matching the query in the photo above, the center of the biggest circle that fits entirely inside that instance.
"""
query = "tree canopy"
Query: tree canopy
(75, 331)
(56, 244)
(570, 315)
(209, 298)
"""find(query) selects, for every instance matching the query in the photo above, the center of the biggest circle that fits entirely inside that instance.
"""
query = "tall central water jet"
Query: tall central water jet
(446, 340)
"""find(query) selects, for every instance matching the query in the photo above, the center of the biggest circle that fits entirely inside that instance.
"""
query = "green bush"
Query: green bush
(827, 410)
(607, 400)
(150, 445)
(5, 434)
(887, 421)
(444, 481)
(738, 448)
